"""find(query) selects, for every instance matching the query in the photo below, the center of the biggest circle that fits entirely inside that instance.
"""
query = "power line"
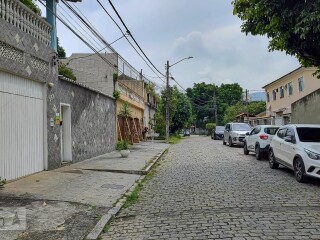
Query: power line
(95, 53)
(105, 10)
(115, 10)
(75, 33)
(80, 32)
(98, 35)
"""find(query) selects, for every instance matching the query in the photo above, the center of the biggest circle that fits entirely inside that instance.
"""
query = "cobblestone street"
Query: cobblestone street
(204, 190)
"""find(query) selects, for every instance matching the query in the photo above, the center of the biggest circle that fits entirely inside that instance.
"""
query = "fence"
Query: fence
(23, 18)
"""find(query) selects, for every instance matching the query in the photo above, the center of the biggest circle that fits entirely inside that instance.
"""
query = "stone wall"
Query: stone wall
(307, 109)
(92, 118)
(22, 54)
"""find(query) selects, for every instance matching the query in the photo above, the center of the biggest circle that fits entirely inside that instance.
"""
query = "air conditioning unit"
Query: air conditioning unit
(277, 90)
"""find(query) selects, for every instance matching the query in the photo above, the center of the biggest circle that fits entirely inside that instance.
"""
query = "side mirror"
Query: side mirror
(247, 133)
(290, 139)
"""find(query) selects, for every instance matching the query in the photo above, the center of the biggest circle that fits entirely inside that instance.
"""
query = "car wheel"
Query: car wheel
(212, 137)
(258, 152)
(230, 142)
(245, 149)
(299, 170)
(223, 142)
(272, 160)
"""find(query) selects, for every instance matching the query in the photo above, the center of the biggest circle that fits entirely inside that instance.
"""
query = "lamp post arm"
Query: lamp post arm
(180, 61)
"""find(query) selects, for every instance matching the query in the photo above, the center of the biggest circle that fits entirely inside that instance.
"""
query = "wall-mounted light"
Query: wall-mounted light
(51, 84)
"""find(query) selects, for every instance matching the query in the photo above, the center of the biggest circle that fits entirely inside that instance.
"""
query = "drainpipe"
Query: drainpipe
(51, 18)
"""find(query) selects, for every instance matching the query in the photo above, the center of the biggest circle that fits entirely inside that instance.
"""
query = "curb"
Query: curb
(105, 219)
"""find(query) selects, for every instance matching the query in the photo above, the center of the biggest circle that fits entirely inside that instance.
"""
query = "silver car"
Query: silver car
(235, 133)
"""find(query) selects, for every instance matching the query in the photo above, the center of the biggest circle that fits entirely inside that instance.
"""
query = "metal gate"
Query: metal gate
(21, 126)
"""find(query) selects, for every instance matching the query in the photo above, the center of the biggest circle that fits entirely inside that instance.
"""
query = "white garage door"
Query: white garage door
(21, 126)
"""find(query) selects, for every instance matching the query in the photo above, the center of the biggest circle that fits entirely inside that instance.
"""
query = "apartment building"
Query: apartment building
(286, 90)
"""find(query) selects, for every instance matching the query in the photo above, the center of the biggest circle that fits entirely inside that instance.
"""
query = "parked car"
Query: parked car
(258, 140)
(186, 133)
(234, 133)
(217, 133)
(298, 148)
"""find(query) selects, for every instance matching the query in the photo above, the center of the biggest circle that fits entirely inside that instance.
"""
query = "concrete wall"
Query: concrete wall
(307, 109)
(93, 121)
(93, 71)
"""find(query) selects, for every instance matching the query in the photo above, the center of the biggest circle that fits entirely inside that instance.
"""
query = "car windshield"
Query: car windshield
(219, 128)
(271, 130)
(241, 127)
(309, 134)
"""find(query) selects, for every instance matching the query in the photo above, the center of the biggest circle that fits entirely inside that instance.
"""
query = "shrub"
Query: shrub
(116, 94)
(2, 182)
(66, 72)
(210, 127)
(122, 145)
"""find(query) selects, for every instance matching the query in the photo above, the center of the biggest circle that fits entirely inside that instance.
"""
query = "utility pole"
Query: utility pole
(167, 103)
(215, 107)
(247, 110)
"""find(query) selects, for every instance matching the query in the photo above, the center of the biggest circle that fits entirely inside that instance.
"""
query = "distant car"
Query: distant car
(217, 133)
(186, 133)
(234, 133)
(258, 140)
(297, 147)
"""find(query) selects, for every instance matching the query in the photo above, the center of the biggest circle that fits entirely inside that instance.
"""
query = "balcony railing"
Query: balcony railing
(130, 94)
(20, 16)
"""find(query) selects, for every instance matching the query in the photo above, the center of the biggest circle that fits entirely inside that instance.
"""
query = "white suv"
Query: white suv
(258, 140)
(298, 148)
(235, 133)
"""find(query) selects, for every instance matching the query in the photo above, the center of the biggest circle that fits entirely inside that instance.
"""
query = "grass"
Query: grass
(134, 196)
(174, 139)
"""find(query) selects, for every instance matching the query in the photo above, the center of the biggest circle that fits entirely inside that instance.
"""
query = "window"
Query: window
(274, 95)
(281, 132)
(290, 132)
(271, 130)
(268, 97)
(290, 86)
(281, 92)
(309, 134)
(301, 84)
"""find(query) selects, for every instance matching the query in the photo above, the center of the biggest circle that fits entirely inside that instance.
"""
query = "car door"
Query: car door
(226, 132)
(288, 148)
(277, 142)
(252, 138)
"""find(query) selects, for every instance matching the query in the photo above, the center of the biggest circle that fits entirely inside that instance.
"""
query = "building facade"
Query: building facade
(27, 65)
(286, 90)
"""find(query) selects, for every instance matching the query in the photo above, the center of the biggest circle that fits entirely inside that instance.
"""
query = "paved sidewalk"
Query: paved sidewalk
(98, 182)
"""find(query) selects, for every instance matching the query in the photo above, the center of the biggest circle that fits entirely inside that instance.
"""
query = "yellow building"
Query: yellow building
(132, 93)
(286, 90)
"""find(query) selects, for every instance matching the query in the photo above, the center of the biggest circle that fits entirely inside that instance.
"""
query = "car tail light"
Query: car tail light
(263, 136)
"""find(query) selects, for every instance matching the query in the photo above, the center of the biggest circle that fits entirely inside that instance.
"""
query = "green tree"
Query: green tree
(32, 6)
(183, 112)
(201, 96)
(61, 51)
(232, 111)
(256, 107)
(180, 112)
(292, 26)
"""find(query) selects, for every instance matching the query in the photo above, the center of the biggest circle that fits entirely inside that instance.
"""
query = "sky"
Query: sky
(170, 30)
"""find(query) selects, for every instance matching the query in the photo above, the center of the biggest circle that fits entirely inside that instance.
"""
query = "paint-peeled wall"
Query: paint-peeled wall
(307, 109)
(92, 122)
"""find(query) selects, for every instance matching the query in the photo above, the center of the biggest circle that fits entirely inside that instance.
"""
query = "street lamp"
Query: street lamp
(167, 97)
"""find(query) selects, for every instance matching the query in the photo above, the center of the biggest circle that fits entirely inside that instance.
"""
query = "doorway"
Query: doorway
(66, 141)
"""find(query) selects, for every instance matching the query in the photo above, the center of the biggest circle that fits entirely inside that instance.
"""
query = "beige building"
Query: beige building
(286, 90)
